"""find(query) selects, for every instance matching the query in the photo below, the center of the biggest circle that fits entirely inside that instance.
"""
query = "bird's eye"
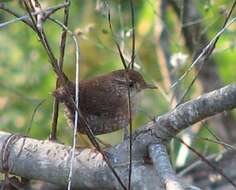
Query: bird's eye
(131, 84)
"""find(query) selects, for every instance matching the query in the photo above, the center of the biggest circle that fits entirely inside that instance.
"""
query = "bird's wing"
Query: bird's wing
(97, 98)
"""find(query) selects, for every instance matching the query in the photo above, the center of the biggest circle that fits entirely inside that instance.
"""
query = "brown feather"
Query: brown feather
(104, 100)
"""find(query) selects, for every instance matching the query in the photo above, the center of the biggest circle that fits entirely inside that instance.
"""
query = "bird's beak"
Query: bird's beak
(150, 86)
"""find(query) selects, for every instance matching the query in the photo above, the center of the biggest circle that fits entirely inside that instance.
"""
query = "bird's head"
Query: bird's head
(131, 79)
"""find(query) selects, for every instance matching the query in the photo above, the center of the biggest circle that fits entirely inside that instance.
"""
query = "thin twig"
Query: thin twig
(76, 112)
(44, 41)
(61, 59)
(231, 147)
(27, 130)
(207, 54)
(35, 6)
(117, 44)
(129, 97)
(220, 171)
(25, 18)
(194, 165)
(203, 53)
(127, 81)
(133, 34)
(60, 64)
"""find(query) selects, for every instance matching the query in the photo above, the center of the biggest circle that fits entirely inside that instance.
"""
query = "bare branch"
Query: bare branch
(204, 52)
(163, 167)
(25, 18)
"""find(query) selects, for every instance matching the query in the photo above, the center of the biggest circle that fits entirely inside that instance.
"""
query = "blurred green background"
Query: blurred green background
(26, 77)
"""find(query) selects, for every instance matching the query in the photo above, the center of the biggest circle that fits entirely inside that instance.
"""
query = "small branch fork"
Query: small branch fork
(46, 13)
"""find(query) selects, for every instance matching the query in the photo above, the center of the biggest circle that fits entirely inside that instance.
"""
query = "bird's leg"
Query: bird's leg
(126, 133)
(84, 142)
(106, 145)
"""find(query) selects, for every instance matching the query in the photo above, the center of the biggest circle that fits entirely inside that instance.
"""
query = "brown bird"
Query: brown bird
(103, 100)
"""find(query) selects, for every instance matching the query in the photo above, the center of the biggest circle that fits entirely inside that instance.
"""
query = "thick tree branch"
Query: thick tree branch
(168, 177)
(49, 161)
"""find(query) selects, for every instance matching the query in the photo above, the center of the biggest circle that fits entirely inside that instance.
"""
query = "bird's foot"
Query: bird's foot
(105, 144)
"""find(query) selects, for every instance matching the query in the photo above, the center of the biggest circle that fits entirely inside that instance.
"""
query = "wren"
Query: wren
(103, 100)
